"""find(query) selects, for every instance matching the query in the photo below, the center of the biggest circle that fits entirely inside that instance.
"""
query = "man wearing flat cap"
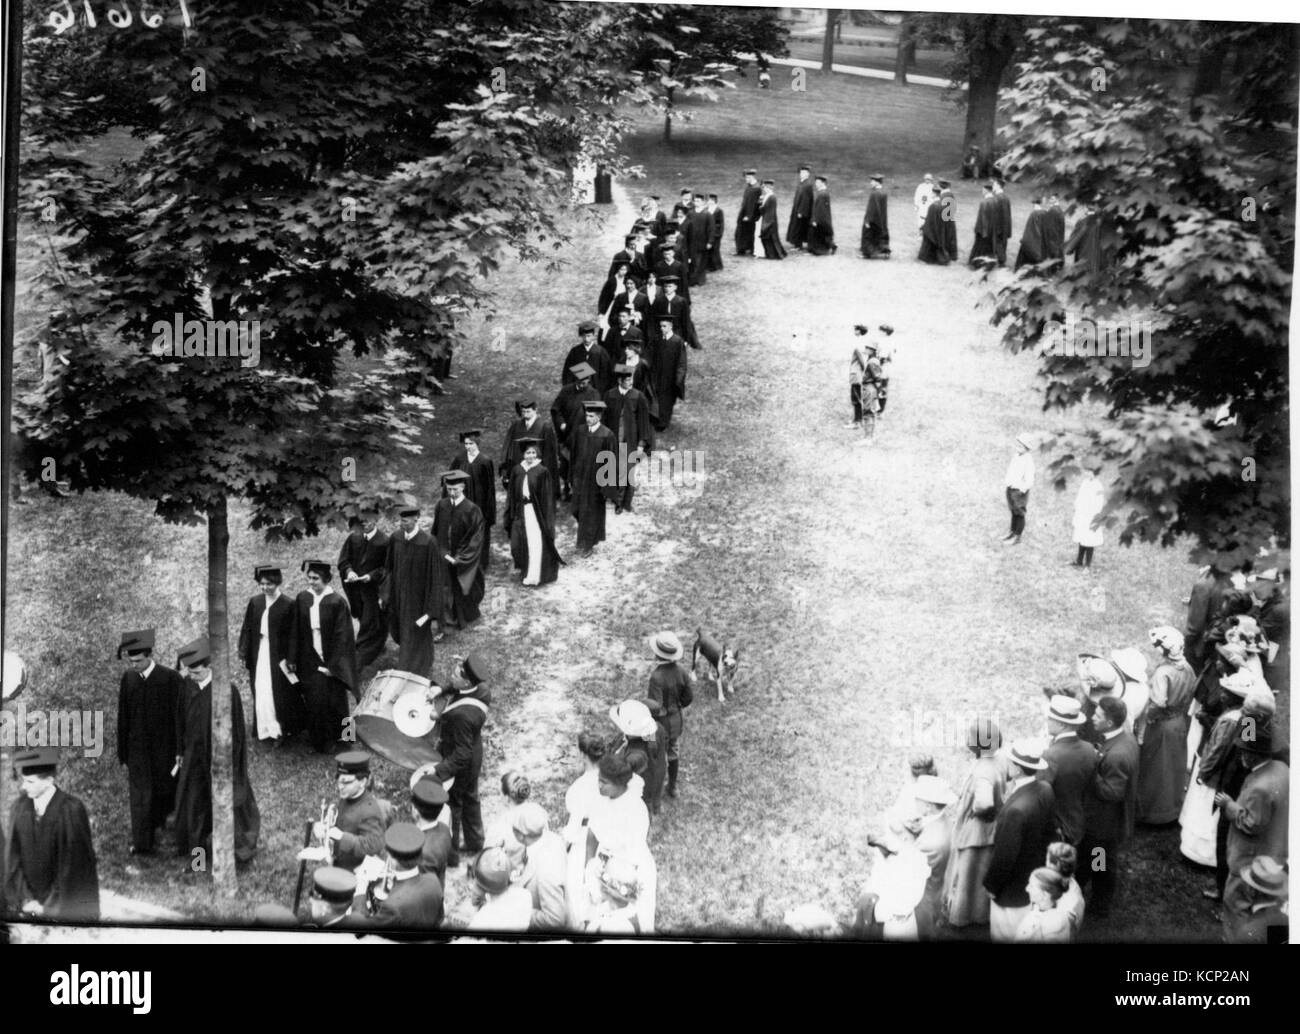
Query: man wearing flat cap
(1072, 766)
(747, 217)
(566, 417)
(428, 798)
(460, 743)
(358, 828)
(324, 653)
(265, 639)
(595, 462)
(147, 700)
(50, 868)
(461, 531)
(194, 762)
(627, 414)
(334, 893)
(415, 584)
(414, 901)
(362, 573)
(530, 425)
(585, 351)
(481, 488)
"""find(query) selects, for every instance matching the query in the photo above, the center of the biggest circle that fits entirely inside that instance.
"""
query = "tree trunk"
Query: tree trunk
(828, 41)
(223, 803)
(1209, 74)
(906, 53)
(987, 66)
(668, 118)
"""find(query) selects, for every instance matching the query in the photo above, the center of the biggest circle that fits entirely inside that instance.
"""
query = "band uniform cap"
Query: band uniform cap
(475, 668)
(1130, 662)
(492, 870)
(451, 477)
(530, 819)
(666, 646)
(334, 884)
(623, 370)
(596, 405)
(1065, 709)
(1265, 875)
(1025, 754)
(933, 790)
(136, 642)
(36, 761)
(195, 653)
(319, 567)
(270, 571)
(584, 371)
(429, 792)
(403, 841)
(587, 327)
(476, 432)
(352, 762)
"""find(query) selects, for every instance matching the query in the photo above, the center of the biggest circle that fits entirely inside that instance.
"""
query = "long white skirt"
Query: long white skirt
(268, 726)
(1199, 820)
(533, 531)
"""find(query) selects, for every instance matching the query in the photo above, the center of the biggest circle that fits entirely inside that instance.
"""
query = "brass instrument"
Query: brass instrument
(329, 814)
(380, 887)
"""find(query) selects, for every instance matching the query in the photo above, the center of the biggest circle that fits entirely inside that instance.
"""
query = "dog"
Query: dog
(722, 659)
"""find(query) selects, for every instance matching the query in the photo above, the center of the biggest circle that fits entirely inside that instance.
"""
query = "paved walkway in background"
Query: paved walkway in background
(867, 73)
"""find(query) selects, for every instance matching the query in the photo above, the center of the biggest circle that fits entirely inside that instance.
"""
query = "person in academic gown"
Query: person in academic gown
(362, 573)
(987, 221)
(530, 425)
(324, 655)
(530, 518)
(613, 285)
(719, 226)
(670, 266)
(641, 380)
(628, 415)
(796, 233)
(629, 256)
(948, 203)
(566, 417)
(146, 736)
(667, 373)
(934, 236)
(1054, 230)
(620, 327)
(413, 589)
(481, 488)
(594, 451)
(700, 241)
(460, 529)
(747, 217)
(264, 641)
(770, 228)
(585, 351)
(679, 309)
(1033, 241)
(821, 230)
(1085, 243)
(875, 224)
(634, 300)
(194, 754)
(50, 867)
(1004, 221)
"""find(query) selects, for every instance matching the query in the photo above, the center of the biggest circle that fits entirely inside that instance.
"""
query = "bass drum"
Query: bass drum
(373, 719)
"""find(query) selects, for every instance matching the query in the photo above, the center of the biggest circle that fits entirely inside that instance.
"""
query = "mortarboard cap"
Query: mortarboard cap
(36, 761)
(319, 567)
(593, 406)
(270, 572)
(623, 370)
(196, 653)
(586, 327)
(583, 371)
(451, 477)
(751, 172)
(136, 642)
(474, 433)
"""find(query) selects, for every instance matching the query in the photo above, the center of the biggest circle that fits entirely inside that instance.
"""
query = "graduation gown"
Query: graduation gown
(677, 269)
(1053, 234)
(638, 304)
(715, 248)
(146, 744)
(701, 240)
(194, 786)
(365, 557)
(986, 230)
(461, 533)
(679, 310)
(934, 236)
(875, 225)
(770, 233)
(608, 290)
(745, 220)
(1085, 244)
(821, 237)
(481, 490)
(414, 588)
(542, 504)
(667, 378)
(628, 416)
(1004, 227)
(1033, 248)
(279, 638)
(599, 361)
(566, 416)
(594, 451)
(52, 861)
(796, 233)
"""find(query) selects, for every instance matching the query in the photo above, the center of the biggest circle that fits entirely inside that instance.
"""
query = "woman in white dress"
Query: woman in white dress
(263, 647)
(530, 517)
(1087, 508)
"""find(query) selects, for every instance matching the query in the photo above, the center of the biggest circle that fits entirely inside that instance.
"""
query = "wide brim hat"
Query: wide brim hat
(633, 719)
(1240, 683)
(1130, 662)
(492, 869)
(1108, 679)
(1065, 709)
(1025, 753)
(1265, 875)
(1168, 638)
(666, 646)
(933, 790)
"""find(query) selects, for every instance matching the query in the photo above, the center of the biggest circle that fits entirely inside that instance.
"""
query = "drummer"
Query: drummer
(359, 829)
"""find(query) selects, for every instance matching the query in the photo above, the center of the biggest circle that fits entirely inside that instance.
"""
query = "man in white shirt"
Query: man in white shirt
(921, 199)
(1020, 479)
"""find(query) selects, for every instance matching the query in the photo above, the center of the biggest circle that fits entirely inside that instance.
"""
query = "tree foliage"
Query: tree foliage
(1198, 234)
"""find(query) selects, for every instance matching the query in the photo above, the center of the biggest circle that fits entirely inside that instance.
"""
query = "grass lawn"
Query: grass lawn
(876, 609)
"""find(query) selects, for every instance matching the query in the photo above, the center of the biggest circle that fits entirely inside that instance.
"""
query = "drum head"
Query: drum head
(413, 714)
(375, 720)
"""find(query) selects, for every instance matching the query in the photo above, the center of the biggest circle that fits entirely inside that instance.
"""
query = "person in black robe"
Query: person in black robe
(627, 414)
(770, 229)
(934, 237)
(612, 342)
(1085, 243)
(413, 588)
(612, 286)
(1004, 221)
(667, 372)
(146, 736)
(987, 223)
(532, 538)
(678, 309)
(1032, 242)
(529, 425)
(641, 380)
(875, 225)
(595, 459)
(948, 204)
(821, 229)
(324, 653)
(585, 351)
(1054, 230)
(634, 301)
(669, 267)
(481, 488)
(719, 226)
(194, 758)
(632, 255)
(701, 240)
(566, 417)
(362, 573)
(747, 217)
(460, 529)
(796, 233)
(50, 867)
(264, 641)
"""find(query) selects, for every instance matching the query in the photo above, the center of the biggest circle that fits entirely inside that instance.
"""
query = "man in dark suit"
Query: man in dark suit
(324, 655)
(1071, 764)
(1109, 805)
(460, 743)
(147, 700)
(747, 218)
(1258, 816)
(427, 800)
(361, 568)
(414, 901)
(1024, 829)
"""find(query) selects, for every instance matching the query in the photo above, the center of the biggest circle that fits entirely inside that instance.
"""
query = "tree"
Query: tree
(905, 56)
(828, 40)
(335, 179)
(1199, 230)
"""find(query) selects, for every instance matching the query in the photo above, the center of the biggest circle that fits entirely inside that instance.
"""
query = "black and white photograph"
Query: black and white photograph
(518, 470)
